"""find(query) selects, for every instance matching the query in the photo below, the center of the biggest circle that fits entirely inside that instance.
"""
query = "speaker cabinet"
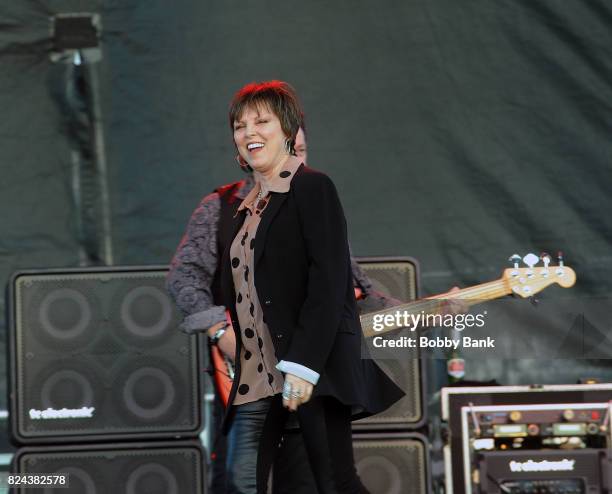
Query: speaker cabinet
(96, 355)
(398, 278)
(393, 463)
(130, 468)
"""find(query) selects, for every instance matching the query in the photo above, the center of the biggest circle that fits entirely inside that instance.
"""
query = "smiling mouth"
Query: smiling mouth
(255, 146)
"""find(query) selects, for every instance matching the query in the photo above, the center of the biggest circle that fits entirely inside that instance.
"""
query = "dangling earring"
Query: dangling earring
(288, 146)
(243, 164)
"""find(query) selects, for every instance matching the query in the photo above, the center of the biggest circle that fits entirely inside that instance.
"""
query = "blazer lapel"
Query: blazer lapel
(227, 282)
(276, 201)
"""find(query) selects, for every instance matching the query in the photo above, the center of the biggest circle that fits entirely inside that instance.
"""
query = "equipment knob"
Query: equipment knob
(515, 416)
(592, 428)
(533, 429)
(568, 414)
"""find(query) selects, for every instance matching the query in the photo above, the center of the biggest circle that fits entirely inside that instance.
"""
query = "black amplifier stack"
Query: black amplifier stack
(391, 449)
(520, 439)
(104, 389)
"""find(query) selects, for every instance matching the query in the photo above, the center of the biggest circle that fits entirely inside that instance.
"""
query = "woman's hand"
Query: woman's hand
(296, 392)
(227, 342)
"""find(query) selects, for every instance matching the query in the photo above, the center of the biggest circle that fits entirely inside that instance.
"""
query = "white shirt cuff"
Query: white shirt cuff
(298, 370)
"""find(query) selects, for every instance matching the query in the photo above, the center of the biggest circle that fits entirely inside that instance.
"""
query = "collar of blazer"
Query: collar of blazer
(276, 201)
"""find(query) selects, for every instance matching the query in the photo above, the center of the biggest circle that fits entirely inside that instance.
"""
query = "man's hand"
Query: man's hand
(227, 342)
(296, 392)
(455, 305)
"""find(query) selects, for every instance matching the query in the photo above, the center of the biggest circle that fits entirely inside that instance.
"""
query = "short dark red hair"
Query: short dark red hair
(279, 97)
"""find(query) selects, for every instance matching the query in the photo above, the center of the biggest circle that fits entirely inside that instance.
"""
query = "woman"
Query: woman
(285, 277)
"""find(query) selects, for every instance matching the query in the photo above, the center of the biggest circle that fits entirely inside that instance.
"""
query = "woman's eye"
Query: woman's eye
(263, 121)
(238, 127)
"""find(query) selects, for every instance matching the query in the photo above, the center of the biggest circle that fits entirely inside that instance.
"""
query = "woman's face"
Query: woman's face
(260, 139)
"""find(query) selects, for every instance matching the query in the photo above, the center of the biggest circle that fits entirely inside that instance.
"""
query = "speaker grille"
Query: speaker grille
(397, 278)
(119, 468)
(392, 466)
(99, 353)
(409, 410)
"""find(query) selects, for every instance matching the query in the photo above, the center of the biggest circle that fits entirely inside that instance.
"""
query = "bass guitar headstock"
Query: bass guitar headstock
(526, 282)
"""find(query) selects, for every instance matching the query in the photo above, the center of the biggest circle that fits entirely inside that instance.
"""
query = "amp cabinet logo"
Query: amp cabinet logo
(564, 465)
(64, 413)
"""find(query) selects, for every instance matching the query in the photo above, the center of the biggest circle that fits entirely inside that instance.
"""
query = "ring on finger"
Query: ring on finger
(287, 391)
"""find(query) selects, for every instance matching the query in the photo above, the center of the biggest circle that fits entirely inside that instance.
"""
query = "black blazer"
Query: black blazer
(304, 284)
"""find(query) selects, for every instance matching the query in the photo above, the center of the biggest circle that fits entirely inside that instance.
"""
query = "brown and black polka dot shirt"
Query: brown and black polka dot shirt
(259, 377)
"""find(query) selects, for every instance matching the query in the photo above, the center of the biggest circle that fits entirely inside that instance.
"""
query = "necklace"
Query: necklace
(259, 202)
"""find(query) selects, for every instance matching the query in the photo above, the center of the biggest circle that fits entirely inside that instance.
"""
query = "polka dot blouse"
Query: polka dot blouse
(259, 377)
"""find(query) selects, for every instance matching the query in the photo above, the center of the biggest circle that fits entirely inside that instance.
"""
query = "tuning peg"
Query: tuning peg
(531, 260)
(545, 259)
(560, 258)
(515, 259)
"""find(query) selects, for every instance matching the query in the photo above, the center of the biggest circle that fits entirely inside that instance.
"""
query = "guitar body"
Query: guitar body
(223, 374)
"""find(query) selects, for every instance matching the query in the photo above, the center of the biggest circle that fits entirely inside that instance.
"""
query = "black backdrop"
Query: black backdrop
(457, 132)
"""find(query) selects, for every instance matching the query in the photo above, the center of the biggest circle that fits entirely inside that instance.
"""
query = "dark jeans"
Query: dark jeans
(257, 429)
(219, 450)
(291, 472)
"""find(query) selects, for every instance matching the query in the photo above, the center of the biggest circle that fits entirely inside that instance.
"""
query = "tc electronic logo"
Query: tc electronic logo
(64, 413)
(564, 465)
